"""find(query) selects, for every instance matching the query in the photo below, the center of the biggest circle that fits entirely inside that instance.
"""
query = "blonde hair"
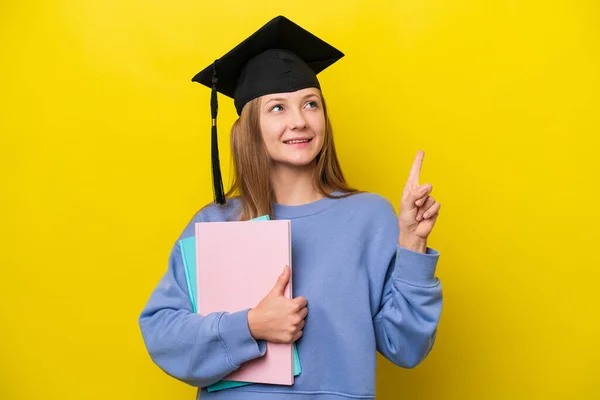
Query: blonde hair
(251, 165)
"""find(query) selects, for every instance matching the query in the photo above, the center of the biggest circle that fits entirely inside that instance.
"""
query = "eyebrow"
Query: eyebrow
(304, 98)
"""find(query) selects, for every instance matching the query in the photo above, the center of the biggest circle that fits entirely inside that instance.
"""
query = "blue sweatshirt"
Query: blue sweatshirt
(365, 293)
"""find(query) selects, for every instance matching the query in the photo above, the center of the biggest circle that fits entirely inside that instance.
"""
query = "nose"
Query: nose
(298, 122)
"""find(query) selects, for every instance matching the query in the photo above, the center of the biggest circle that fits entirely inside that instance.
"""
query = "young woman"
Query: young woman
(365, 273)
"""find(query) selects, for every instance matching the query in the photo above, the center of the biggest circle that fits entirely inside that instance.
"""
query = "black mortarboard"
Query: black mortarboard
(279, 57)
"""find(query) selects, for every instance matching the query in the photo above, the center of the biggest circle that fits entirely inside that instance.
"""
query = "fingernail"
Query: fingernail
(419, 217)
(422, 189)
(419, 202)
(426, 215)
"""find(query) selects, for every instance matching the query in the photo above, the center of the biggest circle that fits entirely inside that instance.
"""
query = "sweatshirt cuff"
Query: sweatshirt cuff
(416, 268)
(235, 335)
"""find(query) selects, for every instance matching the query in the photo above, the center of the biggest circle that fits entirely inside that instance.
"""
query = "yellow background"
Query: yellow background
(105, 156)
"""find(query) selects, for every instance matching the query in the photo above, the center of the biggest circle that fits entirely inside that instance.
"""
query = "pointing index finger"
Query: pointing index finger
(415, 171)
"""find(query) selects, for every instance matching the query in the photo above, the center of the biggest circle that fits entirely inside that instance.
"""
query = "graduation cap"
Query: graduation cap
(279, 57)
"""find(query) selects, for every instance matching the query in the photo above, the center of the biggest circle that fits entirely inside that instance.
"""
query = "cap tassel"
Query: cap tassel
(219, 195)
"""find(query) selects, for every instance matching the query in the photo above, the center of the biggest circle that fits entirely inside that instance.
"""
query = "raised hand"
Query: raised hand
(418, 210)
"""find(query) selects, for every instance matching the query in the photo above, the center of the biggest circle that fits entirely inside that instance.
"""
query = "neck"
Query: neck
(294, 185)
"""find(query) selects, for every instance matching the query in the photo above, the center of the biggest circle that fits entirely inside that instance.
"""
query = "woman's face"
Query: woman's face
(293, 126)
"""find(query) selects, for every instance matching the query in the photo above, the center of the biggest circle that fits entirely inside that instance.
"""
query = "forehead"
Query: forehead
(292, 95)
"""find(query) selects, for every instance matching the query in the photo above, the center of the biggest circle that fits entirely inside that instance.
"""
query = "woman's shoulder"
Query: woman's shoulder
(368, 209)
(213, 212)
(370, 202)
(370, 213)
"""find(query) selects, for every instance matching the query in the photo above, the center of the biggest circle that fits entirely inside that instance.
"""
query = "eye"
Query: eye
(276, 108)
(312, 104)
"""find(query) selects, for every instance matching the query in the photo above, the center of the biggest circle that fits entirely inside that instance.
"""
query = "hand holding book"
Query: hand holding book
(276, 318)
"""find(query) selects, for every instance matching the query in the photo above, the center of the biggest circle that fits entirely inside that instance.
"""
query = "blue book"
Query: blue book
(188, 253)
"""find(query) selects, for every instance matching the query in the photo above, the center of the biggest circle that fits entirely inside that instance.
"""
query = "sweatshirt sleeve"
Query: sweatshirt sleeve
(199, 350)
(407, 320)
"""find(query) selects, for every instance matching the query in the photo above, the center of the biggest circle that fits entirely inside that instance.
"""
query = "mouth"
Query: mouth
(297, 141)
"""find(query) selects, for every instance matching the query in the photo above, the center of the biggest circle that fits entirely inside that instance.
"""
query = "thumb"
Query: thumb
(282, 282)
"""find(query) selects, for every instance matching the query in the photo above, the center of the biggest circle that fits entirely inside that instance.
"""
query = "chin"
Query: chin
(302, 164)
(297, 163)
(300, 159)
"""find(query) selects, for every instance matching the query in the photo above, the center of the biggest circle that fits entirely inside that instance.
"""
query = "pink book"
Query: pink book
(237, 265)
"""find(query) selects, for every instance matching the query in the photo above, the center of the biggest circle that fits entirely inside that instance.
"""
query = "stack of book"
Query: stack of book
(232, 266)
